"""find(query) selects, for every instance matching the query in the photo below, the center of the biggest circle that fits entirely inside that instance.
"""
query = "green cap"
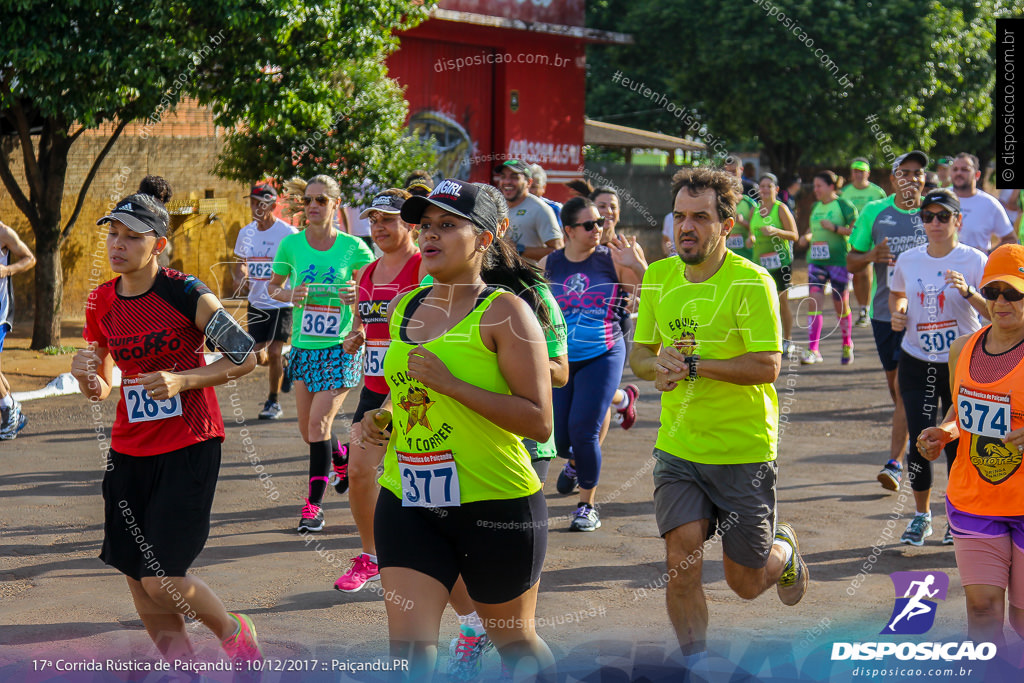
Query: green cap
(860, 166)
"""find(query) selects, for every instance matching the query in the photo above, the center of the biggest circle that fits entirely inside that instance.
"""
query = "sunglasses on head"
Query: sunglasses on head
(321, 199)
(929, 216)
(992, 292)
(589, 225)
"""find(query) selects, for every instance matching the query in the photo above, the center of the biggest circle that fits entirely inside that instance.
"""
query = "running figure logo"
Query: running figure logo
(914, 612)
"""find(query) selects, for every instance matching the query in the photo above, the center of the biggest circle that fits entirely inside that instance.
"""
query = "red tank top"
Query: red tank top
(985, 479)
(373, 310)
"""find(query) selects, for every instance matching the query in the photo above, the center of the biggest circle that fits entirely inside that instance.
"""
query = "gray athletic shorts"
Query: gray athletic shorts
(739, 500)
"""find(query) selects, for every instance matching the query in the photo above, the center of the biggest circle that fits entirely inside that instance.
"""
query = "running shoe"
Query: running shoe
(890, 475)
(585, 519)
(465, 655)
(810, 357)
(947, 539)
(338, 478)
(243, 645)
(847, 354)
(567, 481)
(13, 421)
(863, 320)
(363, 570)
(312, 518)
(795, 576)
(628, 414)
(920, 528)
(286, 376)
(788, 349)
(271, 411)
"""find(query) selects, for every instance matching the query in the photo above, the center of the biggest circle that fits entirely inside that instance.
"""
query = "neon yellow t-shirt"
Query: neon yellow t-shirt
(771, 253)
(829, 248)
(735, 312)
(441, 452)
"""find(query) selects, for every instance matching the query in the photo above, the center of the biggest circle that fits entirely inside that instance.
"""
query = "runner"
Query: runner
(985, 496)
(166, 440)
(860, 192)
(933, 297)
(396, 272)
(15, 257)
(320, 262)
(587, 278)
(774, 231)
(832, 221)
(269, 321)
(535, 232)
(465, 388)
(942, 169)
(985, 219)
(884, 230)
(708, 337)
(739, 240)
(539, 186)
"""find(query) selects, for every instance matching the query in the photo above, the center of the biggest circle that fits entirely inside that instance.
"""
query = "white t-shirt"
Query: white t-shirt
(1004, 197)
(984, 217)
(258, 248)
(936, 311)
(668, 231)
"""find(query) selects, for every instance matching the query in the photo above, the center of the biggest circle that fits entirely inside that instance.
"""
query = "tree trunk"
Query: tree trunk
(49, 289)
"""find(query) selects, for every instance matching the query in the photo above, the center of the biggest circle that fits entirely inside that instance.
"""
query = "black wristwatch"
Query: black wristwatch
(691, 362)
(970, 292)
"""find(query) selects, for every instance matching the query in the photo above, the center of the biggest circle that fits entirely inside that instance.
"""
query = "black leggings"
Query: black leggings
(922, 386)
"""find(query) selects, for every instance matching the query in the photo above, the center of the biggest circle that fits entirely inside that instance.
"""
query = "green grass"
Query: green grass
(59, 350)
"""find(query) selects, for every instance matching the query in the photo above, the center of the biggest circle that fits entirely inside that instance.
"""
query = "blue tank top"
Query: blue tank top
(591, 299)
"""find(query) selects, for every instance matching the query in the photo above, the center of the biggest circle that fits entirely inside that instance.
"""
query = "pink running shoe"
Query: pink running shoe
(243, 645)
(627, 416)
(362, 570)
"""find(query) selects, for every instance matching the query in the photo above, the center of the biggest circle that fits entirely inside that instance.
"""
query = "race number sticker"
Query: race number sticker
(819, 251)
(735, 242)
(429, 479)
(259, 267)
(983, 413)
(141, 408)
(771, 261)
(319, 320)
(936, 337)
(373, 361)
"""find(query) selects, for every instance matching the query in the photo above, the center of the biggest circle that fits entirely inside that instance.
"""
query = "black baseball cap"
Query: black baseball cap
(944, 197)
(916, 155)
(456, 197)
(385, 203)
(517, 166)
(141, 213)
(263, 191)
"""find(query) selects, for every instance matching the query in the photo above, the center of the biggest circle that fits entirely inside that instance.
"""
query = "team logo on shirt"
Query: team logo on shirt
(684, 331)
(417, 402)
(577, 283)
(994, 461)
(142, 345)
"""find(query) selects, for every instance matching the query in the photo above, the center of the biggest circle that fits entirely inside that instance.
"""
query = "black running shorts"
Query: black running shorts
(497, 546)
(368, 400)
(269, 324)
(157, 509)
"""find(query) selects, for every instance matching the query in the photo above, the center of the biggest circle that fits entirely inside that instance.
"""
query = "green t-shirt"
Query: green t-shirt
(734, 312)
(322, 320)
(441, 452)
(861, 198)
(736, 240)
(829, 248)
(771, 253)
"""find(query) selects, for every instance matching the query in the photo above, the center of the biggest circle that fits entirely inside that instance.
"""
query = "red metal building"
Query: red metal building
(499, 79)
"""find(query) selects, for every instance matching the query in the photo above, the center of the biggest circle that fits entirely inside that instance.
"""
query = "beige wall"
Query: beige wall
(187, 163)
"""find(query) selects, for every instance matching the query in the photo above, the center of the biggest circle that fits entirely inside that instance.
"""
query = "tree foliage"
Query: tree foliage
(277, 69)
(804, 76)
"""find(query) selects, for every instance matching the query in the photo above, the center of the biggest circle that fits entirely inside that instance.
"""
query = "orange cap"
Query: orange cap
(1006, 264)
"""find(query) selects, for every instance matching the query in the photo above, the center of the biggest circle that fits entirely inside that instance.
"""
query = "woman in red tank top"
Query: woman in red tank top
(396, 272)
(985, 495)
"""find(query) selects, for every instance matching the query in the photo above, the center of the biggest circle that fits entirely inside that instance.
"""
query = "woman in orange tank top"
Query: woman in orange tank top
(985, 495)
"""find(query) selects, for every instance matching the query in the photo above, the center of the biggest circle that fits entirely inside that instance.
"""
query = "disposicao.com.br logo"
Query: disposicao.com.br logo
(913, 613)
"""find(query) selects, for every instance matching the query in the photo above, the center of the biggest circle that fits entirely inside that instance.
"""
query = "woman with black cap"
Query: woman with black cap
(468, 373)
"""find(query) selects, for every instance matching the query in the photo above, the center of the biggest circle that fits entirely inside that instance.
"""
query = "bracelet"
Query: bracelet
(691, 362)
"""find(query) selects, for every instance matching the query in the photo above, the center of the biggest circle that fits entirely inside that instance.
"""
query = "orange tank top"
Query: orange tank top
(985, 478)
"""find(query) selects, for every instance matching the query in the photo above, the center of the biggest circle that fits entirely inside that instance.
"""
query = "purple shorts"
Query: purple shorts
(817, 276)
(966, 525)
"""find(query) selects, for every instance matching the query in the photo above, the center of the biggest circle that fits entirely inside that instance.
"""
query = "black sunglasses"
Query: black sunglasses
(929, 216)
(991, 292)
(589, 225)
(321, 199)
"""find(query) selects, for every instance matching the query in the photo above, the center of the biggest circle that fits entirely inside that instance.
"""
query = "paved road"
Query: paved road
(601, 601)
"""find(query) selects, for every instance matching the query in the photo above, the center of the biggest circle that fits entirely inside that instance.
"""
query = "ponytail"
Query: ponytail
(504, 267)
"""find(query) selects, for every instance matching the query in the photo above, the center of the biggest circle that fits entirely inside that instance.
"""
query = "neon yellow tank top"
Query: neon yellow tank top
(442, 453)
(772, 253)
